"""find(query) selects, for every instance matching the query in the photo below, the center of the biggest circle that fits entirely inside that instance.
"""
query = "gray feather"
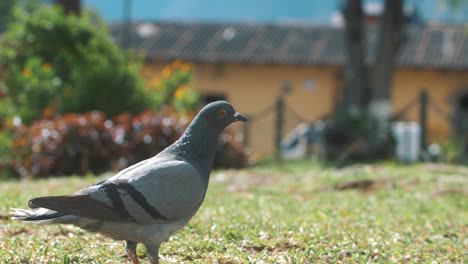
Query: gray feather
(80, 205)
(34, 215)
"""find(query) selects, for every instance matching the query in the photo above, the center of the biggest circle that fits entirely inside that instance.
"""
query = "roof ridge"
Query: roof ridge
(290, 44)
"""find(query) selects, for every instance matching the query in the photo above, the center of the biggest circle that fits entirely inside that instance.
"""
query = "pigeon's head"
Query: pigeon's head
(220, 114)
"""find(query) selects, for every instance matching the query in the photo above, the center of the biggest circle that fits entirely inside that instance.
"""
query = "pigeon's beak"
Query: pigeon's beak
(239, 117)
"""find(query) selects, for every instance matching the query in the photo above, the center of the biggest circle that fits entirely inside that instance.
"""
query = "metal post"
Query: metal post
(424, 100)
(246, 132)
(279, 126)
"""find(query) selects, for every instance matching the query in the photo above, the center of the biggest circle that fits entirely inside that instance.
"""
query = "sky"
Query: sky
(262, 11)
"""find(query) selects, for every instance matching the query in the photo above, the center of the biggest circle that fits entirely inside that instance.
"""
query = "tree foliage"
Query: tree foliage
(68, 64)
(5, 12)
(173, 88)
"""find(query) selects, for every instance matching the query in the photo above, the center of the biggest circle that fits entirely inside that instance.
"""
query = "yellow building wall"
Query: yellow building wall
(253, 88)
(441, 86)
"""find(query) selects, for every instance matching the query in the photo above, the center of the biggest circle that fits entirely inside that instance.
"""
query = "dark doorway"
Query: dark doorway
(461, 114)
(212, 97)
(463, 102)
(461, 122)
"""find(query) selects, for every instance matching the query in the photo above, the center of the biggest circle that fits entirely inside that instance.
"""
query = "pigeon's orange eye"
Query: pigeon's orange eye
(222, 113)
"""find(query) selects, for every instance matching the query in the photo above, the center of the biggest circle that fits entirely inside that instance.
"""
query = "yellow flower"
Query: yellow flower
(176, 64)
(179, 93)
(27, 72)
(186, 67)
(166, 73)
(9, 123)
(156, 82)
(47, 67)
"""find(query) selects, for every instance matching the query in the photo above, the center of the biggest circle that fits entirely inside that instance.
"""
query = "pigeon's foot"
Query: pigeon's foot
(131, 251)
(152, 251)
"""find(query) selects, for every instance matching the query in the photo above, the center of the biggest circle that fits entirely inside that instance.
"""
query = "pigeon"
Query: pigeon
(146, 202)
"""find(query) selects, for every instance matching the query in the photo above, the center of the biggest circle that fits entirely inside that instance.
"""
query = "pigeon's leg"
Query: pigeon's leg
(152, 251)
(131, 251)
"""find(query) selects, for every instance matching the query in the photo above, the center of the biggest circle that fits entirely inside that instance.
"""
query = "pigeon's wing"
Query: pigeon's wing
(163, 191)
(154, 193)
(81, 205)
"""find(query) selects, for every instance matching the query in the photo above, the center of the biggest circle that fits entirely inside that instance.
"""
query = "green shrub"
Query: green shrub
(6, 162)
(356, 136)
(172, 88)
(36, 86)
(85, 69)
(6, 6)
(5, 140)
(452, 150)
(112, 88)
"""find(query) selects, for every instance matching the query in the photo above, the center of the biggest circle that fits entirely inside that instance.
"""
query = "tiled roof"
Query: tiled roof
(426, 46)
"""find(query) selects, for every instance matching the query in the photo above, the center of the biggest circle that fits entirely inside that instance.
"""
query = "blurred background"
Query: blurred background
(96, 85)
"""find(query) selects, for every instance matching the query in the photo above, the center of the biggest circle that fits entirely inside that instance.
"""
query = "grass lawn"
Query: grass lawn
(295, 213)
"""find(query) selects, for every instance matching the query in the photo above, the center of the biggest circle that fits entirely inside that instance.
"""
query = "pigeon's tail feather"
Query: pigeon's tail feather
(40, 216)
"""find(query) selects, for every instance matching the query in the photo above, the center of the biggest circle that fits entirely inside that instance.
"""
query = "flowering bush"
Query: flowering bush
(66, 64)
(36, 86)
(172, 88)
(82, 143)
(231, 152)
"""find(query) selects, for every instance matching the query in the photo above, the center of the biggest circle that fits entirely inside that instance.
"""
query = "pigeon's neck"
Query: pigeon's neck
(198, 146)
